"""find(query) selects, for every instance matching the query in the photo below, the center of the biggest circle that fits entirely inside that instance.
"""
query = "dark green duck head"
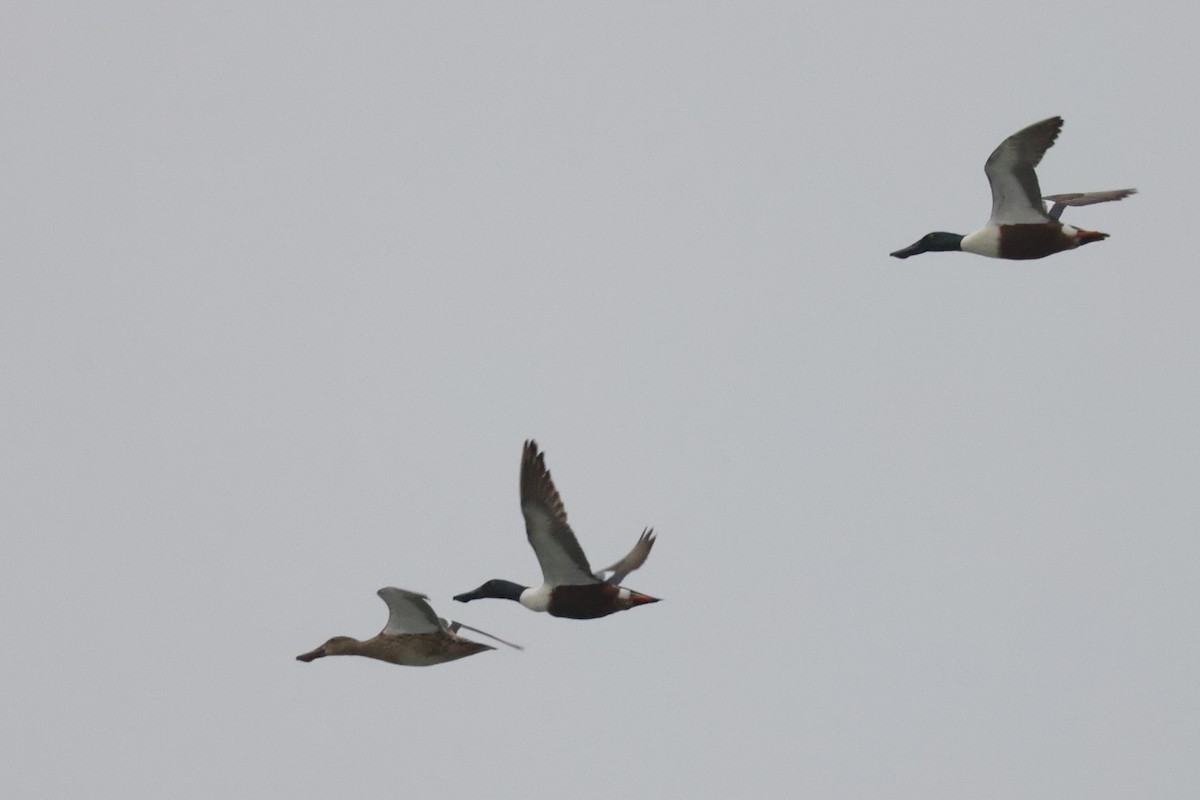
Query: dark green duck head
(931, 242)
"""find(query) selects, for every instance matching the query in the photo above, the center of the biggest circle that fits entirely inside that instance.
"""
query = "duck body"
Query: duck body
(408, 649)
(572, 601)
(414, 636)
(1020, 228)
(593, 600)
(1024, 241)
(570, 588)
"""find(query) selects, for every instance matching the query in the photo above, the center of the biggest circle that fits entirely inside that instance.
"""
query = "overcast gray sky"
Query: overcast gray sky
(283, 288)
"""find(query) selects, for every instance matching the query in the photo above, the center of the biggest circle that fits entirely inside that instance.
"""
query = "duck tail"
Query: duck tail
(1087, 237)
(639, 599)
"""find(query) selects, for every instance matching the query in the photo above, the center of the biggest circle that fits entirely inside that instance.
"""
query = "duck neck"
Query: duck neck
(506, 590)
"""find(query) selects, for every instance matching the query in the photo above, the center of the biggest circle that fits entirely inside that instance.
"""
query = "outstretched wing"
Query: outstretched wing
(632, 560)
(558, 551)
(454, 627)
(408, 612)
(1061, 201)
(1016, 197)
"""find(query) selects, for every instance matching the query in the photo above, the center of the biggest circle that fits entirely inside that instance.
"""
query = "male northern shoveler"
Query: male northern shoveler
(569, 588)
(413, 637)
(1019, 227)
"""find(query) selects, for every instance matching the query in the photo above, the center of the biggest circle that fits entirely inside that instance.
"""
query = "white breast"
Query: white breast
(983, 242)
(537, 599)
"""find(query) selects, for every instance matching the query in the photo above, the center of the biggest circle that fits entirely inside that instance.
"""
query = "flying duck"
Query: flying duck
(570, 588)
(413, 637)
(1020, 227)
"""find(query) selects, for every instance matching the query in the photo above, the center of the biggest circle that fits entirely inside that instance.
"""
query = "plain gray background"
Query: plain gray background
(284, 286)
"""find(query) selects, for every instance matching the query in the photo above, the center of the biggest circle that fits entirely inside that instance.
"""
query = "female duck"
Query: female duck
(413, 637)
(569, 588)
(1019, 227)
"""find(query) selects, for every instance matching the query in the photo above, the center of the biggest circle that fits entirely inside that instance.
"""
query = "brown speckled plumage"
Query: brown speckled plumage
(406, 649)
(414, 636)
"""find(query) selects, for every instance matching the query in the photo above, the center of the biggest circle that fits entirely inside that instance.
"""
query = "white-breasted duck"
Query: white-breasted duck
(570, 588)
(1020, 227)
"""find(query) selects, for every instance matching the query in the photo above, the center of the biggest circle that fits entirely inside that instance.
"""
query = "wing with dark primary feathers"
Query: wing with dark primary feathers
(1016, 197)
(632, 560)
(562, 559)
